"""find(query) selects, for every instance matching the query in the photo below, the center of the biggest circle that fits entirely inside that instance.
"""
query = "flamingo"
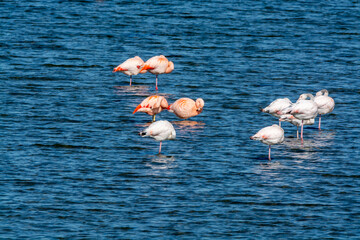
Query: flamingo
(270, 135)
(325, 103)
(160, 131)
(131, 66)
(304, 109)
(277, 106)
(296, 122)
(158, 65)
(152, 105)
(186, 108)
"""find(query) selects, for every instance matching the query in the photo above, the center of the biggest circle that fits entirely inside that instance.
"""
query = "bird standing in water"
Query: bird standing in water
(131, 67)
(152, 105)
(158, 65)
(277, 106)
(325, 103)
(186, 108)
(304, 109)
(160, 131)
(296, 122)
(270, 135)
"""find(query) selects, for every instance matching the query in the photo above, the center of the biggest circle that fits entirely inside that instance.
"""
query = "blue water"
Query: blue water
(73, 167)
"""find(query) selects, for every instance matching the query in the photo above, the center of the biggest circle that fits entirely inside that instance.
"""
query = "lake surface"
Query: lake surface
(73, 166)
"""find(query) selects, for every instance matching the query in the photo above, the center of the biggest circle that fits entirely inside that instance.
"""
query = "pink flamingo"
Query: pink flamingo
(325, 103)
(186, 108)
(152, 105)
(270, 135)
(131, 67)
(160, 131)
(158, 65)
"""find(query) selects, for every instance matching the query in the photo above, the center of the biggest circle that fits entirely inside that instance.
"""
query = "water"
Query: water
(73, 166)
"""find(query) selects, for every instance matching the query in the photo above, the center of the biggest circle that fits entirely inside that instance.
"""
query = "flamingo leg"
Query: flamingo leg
(302, 126)
(160, 147)
(156, 83)
(319, 121)
(153, 118)
(279, 123)
(297, 132)
(130, 79)
(269, 152)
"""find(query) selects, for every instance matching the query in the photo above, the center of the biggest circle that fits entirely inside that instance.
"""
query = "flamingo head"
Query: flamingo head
(304, 96)
(170, 67)
(164, 104)
(169, 108)
(322, 92)
(199, 104)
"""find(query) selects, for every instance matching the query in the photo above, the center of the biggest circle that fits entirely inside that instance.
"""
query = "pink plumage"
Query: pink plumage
(131, 66)
(186, 108)
(158, 65)
(152, 105)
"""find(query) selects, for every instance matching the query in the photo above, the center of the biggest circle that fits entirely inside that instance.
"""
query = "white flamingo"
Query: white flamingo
(304, 109)
(160, 131)
(277, 106)
(270, 135)
(296, 122)
(325, 103)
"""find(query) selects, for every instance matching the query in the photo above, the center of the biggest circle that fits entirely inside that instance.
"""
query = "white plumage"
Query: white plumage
(304, 109)
(277, 106)
(325, 103)
(296, 122)
(270, 135)
(160, 131)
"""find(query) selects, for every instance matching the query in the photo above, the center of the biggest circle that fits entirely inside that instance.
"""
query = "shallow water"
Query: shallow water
(73, 166)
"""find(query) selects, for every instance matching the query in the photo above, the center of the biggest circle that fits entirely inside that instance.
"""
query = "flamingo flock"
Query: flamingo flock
(302, 112)
(155, 65)
(183, 108)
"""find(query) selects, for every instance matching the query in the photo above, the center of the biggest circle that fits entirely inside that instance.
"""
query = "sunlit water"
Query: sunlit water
(73, 166)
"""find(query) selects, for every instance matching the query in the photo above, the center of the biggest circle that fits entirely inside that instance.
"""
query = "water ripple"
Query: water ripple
(74, 167)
